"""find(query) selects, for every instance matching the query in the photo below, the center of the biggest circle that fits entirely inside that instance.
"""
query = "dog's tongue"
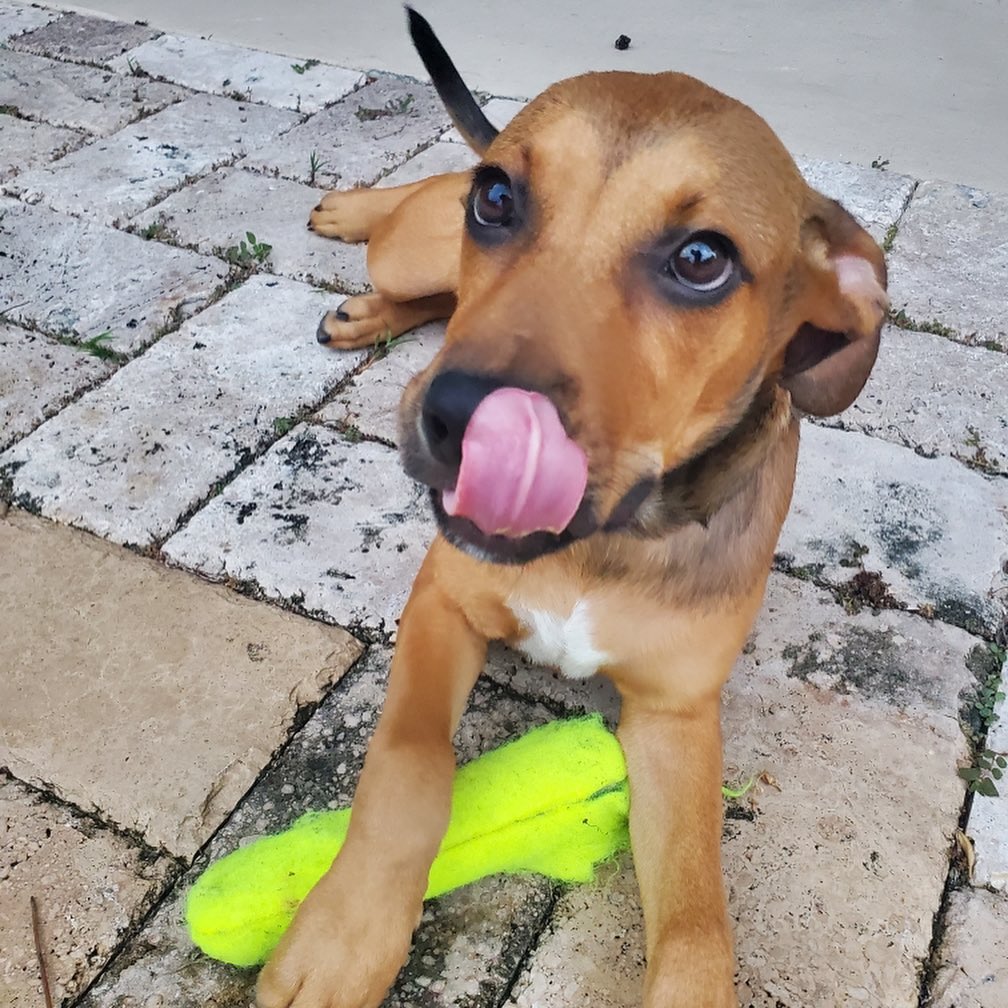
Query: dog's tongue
(520, 472)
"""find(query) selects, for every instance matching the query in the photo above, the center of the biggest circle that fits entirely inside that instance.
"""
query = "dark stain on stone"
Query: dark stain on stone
(905, 527)
(965, 613)
(294, 524)
(244, 510)
(305, 452)
(865, 663)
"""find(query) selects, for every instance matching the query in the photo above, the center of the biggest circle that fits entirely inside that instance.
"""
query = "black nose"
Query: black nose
(452, 398)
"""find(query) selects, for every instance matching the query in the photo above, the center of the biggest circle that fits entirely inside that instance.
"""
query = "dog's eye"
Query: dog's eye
(493, 201)
(704, 262)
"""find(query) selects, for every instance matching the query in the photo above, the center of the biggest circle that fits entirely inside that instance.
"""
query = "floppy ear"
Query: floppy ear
(841, 301)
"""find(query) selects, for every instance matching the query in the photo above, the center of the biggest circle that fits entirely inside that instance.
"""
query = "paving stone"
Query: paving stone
(988, 820)
(84, 39)
(369, 402)
(949, 263)
(24, 144)
(216, 211)
(936, 397)
(500, 111)
(834, 874)
(17, 18)
(333, 525)
(38, 378)
(128, 459)
(81, 97)
(114, 179)
(222, 68)
(180, 691)
(469, 943)
(89, 885)
(935, 531)
(359, 139)
(85, 279)
(876, 198)
(972, 968)
(434, 160)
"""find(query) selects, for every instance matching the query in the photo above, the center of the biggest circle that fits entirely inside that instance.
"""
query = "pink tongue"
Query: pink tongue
(520, 471)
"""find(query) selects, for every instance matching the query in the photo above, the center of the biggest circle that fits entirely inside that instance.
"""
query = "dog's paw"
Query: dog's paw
(336, 955)
(366, 320)
(343, 215)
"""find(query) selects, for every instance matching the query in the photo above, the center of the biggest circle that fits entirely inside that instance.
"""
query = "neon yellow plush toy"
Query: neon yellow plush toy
(554, 801)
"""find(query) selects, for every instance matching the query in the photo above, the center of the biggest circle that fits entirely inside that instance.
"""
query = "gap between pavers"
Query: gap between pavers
(130, 458)
(80, 97)
(82, 38)
(18, 18)
(38, 378)
(469, 943)
(89, 882)
(113, 179)
(141, 693)
(24, 144)
(949, 262)
(225, 69)
(86, 280)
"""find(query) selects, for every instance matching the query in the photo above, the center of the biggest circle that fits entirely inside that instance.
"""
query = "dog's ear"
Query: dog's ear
(840, 278)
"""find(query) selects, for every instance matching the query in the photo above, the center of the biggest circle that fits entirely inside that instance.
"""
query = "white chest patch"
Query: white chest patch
(565, 643)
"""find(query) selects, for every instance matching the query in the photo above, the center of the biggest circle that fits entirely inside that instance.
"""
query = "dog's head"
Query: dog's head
(643, 268)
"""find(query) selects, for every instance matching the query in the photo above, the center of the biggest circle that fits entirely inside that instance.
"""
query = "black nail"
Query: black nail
(320, 334)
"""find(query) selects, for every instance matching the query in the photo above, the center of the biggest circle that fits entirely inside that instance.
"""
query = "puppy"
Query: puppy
(644, 298)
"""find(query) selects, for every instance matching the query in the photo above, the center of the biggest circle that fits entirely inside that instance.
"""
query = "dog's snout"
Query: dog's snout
(451, 400)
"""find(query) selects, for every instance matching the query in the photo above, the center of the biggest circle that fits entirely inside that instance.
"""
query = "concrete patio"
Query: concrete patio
(206, 540)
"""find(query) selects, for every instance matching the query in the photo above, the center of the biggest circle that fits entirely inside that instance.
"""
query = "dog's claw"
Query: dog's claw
(320, 334)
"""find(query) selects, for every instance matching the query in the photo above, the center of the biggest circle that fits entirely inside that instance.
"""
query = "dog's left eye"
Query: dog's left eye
(703, 262)
(493, 200)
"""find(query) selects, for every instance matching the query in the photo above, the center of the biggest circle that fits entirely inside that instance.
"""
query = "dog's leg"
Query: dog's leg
(369, 319)
(352, 934)
(413, 259)
(350, 215)
(674, 764)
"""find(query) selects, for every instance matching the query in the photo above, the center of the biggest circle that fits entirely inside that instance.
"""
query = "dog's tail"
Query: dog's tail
(474, 126)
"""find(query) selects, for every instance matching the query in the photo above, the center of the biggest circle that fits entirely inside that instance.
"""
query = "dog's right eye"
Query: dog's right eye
(493, 200)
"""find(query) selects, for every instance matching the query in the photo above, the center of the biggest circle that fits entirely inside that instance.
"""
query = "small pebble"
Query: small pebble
(623, 42)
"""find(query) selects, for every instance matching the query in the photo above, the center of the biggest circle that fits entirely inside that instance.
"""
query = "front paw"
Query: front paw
(337, 953)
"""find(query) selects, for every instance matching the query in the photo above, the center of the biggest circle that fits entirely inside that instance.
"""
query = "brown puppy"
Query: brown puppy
(644, 297)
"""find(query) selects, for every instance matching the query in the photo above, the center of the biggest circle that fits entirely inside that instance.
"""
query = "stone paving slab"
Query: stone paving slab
(440, 157)
(225, 69)
(152, 698)
(369, 402)
(89, 885)
(73, 277)
(216, 211)
(332, 525)
(972, 967)
(38, 378)
(949, 263)
(81, 97)
(937, 398)
(116, 178)
(82, 38)
(24, 144)
(988, 819)
(130, 458)
(936, 531)
(357, 140)
(876, 198)
(469, 943)
(834, 873)
(17, 18)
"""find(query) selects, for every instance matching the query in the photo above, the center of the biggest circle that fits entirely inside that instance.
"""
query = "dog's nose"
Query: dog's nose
(451, 400)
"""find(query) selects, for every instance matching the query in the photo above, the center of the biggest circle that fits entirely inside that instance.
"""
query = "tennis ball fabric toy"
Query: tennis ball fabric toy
(554, 802)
